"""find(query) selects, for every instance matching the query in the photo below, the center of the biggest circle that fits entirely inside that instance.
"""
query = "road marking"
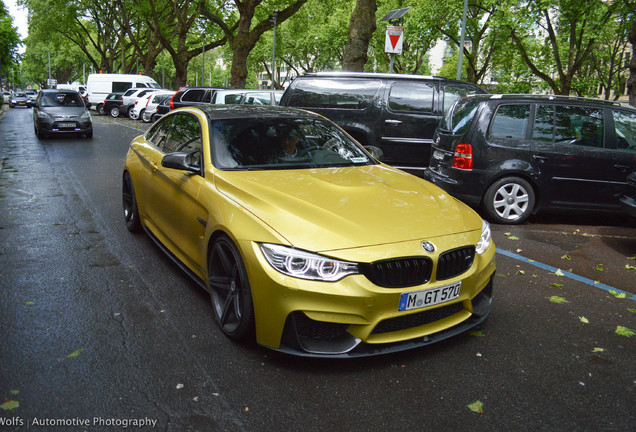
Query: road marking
(566, 274)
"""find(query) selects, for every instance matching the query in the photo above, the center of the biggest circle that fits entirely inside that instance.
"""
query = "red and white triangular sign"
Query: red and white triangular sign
(394, 40)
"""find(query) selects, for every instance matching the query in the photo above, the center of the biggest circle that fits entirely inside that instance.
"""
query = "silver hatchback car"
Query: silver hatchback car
(61, 112)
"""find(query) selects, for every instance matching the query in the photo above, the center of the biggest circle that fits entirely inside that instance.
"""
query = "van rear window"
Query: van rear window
(331, 93)
(458, 118)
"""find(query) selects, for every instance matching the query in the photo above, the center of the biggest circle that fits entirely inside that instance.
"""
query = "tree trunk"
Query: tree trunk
(631, 82)
(361, 27)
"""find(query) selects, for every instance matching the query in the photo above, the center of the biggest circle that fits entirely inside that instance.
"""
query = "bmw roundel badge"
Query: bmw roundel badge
(428, 247)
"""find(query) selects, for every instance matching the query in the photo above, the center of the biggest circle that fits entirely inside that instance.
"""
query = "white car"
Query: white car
(6, 97)
(148, 112)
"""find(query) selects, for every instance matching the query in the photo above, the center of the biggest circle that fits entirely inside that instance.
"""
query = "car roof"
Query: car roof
(545, 98)
(376, 75)
(228, 112)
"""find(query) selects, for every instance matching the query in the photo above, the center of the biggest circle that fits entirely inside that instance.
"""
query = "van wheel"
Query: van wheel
(509, 200)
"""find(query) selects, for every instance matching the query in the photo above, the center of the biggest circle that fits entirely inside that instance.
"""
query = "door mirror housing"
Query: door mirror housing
(190, 161)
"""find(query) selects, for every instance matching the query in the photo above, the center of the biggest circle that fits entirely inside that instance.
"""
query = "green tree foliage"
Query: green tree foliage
(556, 37)
(9, 44)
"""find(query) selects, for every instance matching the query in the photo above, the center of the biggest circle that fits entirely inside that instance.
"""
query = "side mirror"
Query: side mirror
(376, 152)
(183, 161)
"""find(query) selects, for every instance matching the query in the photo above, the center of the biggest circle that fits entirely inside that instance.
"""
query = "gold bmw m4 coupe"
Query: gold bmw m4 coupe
(303, 239)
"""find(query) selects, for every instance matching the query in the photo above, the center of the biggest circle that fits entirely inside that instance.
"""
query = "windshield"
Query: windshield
(61, 99)
(283, 143)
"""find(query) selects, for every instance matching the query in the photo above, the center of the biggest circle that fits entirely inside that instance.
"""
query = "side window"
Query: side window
(194, 95)
(159, 133)
(408, 96)
(334, 93)
(625, 126)
(510, 121)
(452, 92)
(120, 87)
(569, 124)
(184, 135)
(207, 97)
(544, 123)
(583, 126)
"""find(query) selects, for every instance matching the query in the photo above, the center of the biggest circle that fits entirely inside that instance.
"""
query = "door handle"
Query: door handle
(623, 168)
(540, 158)
(393, 122)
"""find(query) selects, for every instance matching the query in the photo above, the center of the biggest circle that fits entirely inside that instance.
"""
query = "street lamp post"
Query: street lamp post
(462, 42)
(203, 67)
(274, 17)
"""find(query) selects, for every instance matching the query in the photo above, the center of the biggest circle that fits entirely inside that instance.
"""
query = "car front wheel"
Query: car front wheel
(230, 289)
(131, 212)
(509, 200)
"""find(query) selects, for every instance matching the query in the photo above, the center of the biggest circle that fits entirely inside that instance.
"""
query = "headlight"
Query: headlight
(484, 241)
(306, 265)
(86, 115)
(42, 114)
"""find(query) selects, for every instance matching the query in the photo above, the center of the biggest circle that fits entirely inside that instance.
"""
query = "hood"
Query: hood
(340, 208)
(63, 112)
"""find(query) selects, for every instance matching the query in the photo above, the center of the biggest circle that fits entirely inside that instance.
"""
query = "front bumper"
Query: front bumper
(355, 318)
(75, 126)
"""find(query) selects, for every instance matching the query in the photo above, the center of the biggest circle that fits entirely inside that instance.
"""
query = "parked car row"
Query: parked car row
(144, 103)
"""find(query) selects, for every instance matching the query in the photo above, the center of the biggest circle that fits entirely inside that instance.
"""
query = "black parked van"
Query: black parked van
(517, 154)
(397, 113)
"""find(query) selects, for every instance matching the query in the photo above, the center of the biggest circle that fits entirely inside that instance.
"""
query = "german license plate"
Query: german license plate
(66, 125)
(429, 297)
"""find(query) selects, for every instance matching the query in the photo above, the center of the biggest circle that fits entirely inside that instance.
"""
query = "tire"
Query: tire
(230, 290)
(509, 200)
(132, 115)
(141, 114)
(89, 134)
(129, 200)
(114, 112)
(100, 109)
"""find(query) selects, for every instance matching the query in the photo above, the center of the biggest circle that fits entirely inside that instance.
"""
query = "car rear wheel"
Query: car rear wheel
(131, 212)
(132, 114)
(509, 200)
(230, 289)
(114, 111)
(101, 110)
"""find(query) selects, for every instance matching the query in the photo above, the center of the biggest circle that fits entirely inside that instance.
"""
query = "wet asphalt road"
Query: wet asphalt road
(98, 330)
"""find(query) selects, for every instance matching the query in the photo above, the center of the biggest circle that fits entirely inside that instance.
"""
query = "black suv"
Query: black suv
(112, 105)
(192, 96)
(517, 154)
(397, 113)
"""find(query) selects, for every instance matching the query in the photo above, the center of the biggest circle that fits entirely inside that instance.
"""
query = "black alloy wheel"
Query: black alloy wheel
(230, 289)
(129, 200)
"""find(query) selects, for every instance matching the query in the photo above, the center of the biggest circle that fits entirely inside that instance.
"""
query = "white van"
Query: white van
(101, 85)
(78, 87)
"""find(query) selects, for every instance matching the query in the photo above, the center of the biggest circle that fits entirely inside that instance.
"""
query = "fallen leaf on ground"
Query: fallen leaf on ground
(624, 331)
(75, 353)
(10, 405)
(559, 273)
(584, 320)
(557, 299)
(477, 407)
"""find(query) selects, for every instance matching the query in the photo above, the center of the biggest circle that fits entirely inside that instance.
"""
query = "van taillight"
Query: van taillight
(463, 157)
